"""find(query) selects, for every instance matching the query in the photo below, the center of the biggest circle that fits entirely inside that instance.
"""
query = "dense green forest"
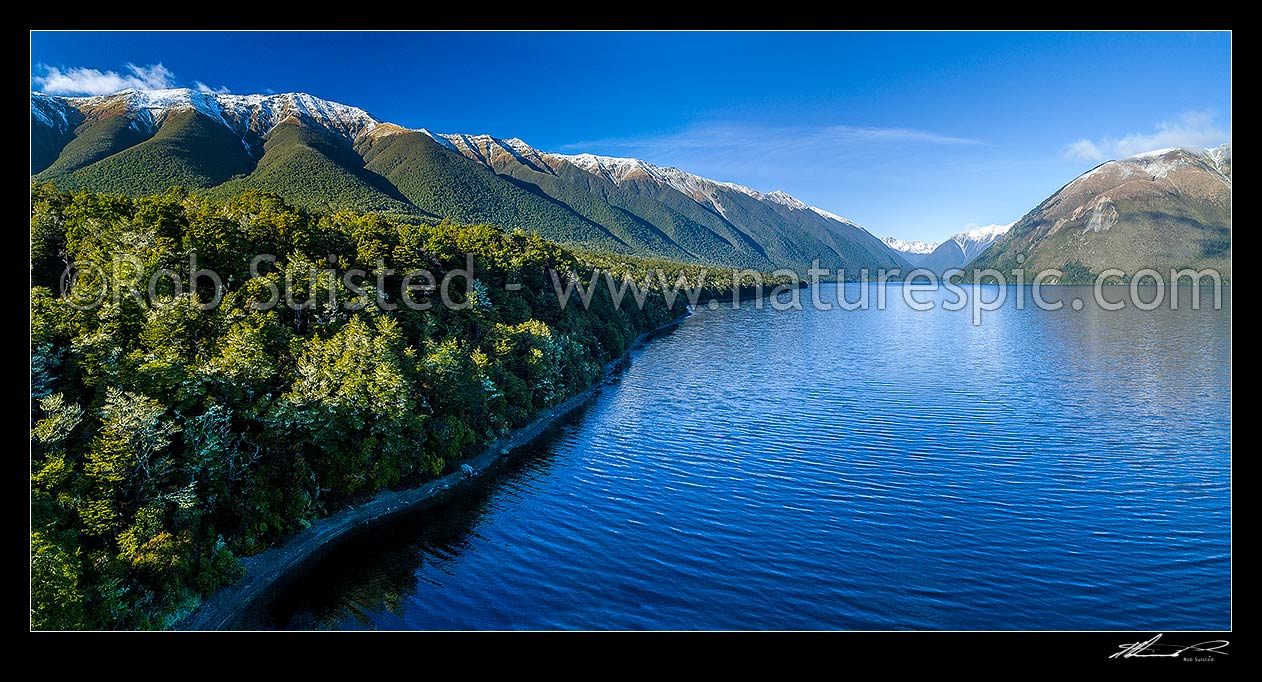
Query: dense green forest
(169, 438)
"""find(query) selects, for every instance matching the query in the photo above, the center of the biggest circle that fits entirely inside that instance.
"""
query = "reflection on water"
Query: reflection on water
(878, 469)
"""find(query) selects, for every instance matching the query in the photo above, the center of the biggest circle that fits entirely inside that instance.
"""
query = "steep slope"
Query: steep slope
(710, 221)
(959, 249)
(1164, 209)
(189, 149)
(314, 168)
(796, 234)
(787, 231)
(94, 140)
(53, 124)
(648, 217)
(442, 182)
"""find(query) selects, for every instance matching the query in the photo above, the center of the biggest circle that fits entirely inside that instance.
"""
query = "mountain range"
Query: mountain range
(956, 252)
(1170, 208)
(912, 250)
(330, 156)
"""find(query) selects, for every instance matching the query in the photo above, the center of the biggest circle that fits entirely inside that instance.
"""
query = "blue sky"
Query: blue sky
(915, 135)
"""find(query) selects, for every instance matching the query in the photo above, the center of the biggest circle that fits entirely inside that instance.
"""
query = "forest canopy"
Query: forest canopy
(169, 437)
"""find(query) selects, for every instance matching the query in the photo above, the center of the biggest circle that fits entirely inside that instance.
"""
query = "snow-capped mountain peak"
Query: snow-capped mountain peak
(912, 246)
(519, 145)
(1158, 164)
(958, 249)
(985, 234)
(243, 114)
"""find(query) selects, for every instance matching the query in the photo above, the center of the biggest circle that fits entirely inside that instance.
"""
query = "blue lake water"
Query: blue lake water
(865, 470)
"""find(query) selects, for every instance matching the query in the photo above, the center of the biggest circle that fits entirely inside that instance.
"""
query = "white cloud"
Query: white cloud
(85, 81)
(1192, 129)
(1084, 150)
(202, 87)
(1195, 129)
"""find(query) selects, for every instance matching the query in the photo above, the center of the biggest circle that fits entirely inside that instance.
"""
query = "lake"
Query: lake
(853, 470)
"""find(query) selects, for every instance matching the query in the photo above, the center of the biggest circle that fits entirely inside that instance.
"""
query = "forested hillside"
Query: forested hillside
(167, 439)
(326, 156)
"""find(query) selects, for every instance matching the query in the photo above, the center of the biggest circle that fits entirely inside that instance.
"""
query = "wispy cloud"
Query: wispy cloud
(766, 140)
(857, 134)
(85, 81)
(1189, 129)
(202, 87)
(82, 80)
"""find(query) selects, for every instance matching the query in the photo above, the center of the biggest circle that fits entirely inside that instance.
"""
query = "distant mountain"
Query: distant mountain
(959, 249)
(912, 250)
(1164, 209)
(330, 156)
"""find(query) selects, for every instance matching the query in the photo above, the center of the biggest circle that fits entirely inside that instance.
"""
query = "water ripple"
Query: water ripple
(845, 470)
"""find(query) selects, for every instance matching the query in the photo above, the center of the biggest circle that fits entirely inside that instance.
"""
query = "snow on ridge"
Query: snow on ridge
(617, 168)
(439, 138)
(50, 111)
(1160, 167)
(1219, 157)
(978, 235)
(700, 189)
(483, 146)
(520, 146)
(526, 154)
(834, 216)
(524, 151)
(479, 146)
(914, 246)
(465, 140)
(690, 184)
(682, 180)
(614, 168)
(240, 113)
(1159, 163)
(1157, 152)
(785, 199)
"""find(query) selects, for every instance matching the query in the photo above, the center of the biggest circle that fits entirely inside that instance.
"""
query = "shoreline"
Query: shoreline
(270, 568)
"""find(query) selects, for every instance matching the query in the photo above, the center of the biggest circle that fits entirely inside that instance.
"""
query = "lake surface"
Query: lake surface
(866, 470)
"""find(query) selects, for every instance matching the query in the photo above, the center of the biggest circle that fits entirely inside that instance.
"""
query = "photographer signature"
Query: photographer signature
(1154, 649)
